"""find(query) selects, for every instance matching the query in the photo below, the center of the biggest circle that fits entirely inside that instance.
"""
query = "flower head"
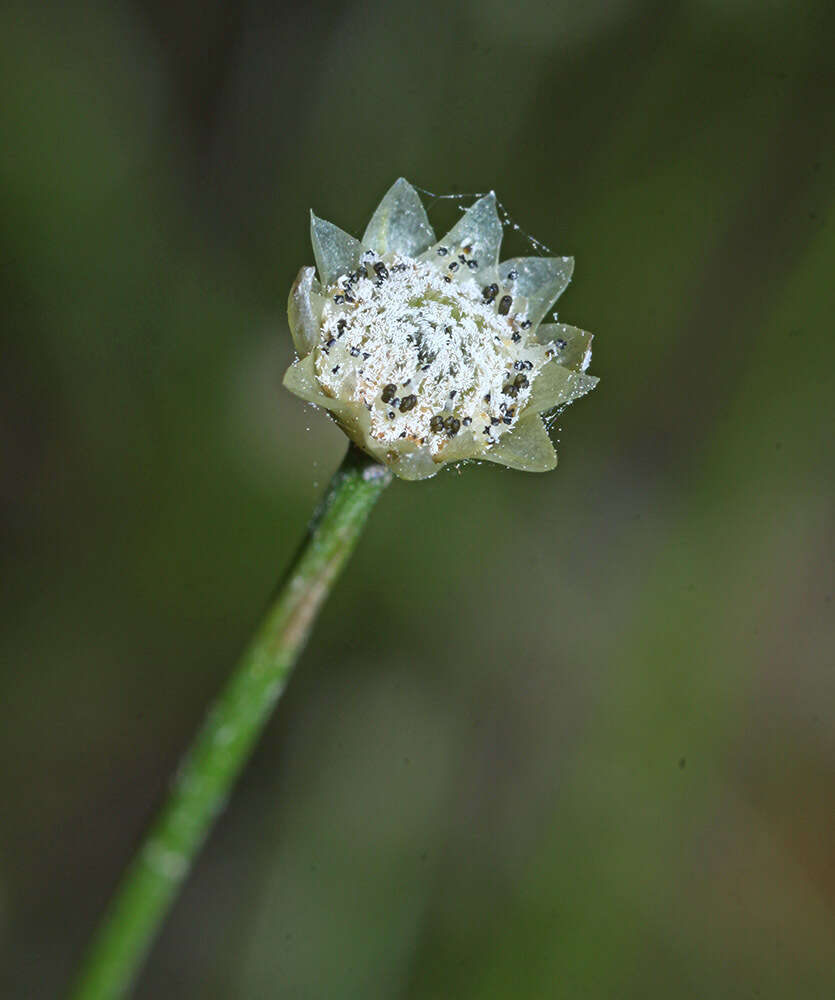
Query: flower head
(427, 352)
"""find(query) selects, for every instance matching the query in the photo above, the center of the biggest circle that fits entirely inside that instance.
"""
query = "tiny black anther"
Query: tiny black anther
(355, 352)
(442, 251)
(340, 328)
(560, 343)
(408, 403)
(402, 434)
(508, 420)
(453, 266)
(365, 355)
(381, 270)
(335, 370)
(349, 297)
(487, 398)
(452, 393)
(391, 414)
(516, 338)
(453, 425)
(495, 420)
(436, 424)
(462, 258)
(489, 292)
(331, 342)
(472, 264)
(339, 299)
(512, 275)
(447, 279)
(467, 421)
(504, 305)
(388, 392)
(525, 324)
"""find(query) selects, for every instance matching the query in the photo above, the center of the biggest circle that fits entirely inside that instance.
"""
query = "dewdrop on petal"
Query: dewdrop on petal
(428, 352)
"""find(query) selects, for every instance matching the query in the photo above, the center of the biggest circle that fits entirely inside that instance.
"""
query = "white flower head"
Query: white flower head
(429, 352)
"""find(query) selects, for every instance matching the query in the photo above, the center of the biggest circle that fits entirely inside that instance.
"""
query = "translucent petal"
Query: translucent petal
(527, 447)
(541, 280)
(301, 380)
(580, 385)
(461, 447)
(400, 224)
(550, 388)
(336, 252)
(572, 344)
(478, 228)
(415, 465)
(355, 420)
(558, 386)
(304, 311)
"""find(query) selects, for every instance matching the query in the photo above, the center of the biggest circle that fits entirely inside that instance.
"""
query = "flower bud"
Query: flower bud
(428, 352)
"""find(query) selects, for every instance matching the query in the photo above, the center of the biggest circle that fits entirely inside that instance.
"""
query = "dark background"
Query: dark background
(564, 736)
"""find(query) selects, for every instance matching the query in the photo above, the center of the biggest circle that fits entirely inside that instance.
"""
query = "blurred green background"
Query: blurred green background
(564, 736)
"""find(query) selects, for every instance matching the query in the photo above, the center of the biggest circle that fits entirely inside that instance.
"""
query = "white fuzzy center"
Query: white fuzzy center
(428, 356)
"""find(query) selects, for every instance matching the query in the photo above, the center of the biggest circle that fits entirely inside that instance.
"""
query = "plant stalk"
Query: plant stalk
(224, 743)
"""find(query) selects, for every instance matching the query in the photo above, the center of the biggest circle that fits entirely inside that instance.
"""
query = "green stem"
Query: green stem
(223, 744)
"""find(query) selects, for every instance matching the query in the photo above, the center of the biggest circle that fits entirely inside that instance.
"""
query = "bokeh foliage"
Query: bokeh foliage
(559, 736)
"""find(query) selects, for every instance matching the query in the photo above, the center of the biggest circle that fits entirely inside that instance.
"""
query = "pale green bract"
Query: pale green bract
(429, 352)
